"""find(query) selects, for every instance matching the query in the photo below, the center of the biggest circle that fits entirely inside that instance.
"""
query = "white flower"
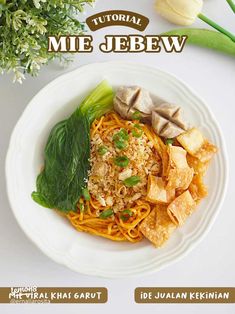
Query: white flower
(181, 12)
(18, 77)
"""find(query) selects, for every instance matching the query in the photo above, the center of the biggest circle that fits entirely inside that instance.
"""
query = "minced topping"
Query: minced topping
(116, 186)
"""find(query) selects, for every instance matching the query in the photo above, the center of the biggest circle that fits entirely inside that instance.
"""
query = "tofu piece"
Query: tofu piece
(180, 178)
(178, 157)
(206, 152)
(197, 188)
(156, 191)
(165, 162)
(198, 166)
(181, 208)
(157, 226)
(191, 140)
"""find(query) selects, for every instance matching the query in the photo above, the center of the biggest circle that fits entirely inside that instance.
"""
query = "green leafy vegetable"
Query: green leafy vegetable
(131, 181)
(24, 27)
(64, 177)
(106, 213)
(122, 161)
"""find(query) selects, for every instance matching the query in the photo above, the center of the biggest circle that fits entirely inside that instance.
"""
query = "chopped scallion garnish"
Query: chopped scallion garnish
(82, 207)
(131, 181)
(169, 141)
(121, 144)
(102, 150)
(126, 214)
(136, 115)
(106, 213)
(86, 194)
(137, 131)
(121, 161)
(121, 135)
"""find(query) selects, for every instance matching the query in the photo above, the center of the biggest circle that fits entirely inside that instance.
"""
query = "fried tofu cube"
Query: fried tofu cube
(156, 191)
(206, 152)
(191, 140)
(178, 157)
(165, 162)
(181, 208)
(180, 178)
(197, 188)
(157, 226)
(198, 166)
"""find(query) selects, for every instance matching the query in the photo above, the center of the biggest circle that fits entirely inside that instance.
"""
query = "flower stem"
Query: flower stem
(232, 5)
(216, 26)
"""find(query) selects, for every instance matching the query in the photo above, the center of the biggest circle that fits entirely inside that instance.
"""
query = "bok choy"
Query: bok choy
(64, 176)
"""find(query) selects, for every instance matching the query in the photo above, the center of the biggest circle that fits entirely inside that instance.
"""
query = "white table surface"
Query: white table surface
(211, 263)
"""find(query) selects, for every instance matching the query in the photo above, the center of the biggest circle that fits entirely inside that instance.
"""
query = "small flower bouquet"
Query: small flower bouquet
(24, 26)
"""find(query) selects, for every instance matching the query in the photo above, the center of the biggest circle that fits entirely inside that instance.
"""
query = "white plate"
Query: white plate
(54, 235)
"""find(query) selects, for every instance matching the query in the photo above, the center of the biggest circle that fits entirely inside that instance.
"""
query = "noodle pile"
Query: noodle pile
(107, 191)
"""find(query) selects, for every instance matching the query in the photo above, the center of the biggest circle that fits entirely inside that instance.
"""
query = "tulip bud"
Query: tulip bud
(181, 12)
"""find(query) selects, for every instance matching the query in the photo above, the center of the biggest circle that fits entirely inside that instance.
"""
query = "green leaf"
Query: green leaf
(64, 177)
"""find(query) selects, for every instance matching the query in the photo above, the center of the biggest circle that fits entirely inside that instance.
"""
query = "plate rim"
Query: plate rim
(61, 260)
